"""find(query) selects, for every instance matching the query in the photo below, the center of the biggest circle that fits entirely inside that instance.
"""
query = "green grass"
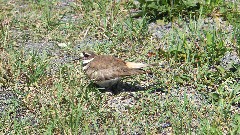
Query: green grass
(198, 94)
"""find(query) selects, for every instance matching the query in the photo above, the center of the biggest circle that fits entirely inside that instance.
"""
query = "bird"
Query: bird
(106, 70)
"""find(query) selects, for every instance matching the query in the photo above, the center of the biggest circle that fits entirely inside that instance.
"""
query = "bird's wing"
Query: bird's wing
(105, 67)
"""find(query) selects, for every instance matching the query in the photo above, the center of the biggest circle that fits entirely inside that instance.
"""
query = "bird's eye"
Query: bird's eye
(86, 55)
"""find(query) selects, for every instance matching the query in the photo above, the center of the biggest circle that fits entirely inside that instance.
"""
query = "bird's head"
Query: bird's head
(87, 56)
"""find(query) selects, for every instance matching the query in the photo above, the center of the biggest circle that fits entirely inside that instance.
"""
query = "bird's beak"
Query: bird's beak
(79, 58)
(76, 59)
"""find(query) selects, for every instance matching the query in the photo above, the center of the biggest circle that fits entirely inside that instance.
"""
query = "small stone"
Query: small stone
(62, 45)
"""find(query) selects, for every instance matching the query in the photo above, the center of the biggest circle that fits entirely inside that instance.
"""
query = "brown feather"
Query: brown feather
(105, 67)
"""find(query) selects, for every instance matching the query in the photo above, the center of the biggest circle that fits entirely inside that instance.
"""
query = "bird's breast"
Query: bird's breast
(108, 83)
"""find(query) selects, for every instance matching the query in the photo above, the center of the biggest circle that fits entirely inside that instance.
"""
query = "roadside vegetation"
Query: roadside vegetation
(43, 89)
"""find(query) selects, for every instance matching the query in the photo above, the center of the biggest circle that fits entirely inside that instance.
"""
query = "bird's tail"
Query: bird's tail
(139, 65)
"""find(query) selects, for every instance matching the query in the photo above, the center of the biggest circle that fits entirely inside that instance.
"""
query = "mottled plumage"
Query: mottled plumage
(107, 70)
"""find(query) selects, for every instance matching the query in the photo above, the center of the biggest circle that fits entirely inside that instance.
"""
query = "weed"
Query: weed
(191, 93)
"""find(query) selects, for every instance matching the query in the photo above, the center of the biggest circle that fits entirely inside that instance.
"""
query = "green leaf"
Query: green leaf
(160, 22)
(221, 69)
(178, 79)
(215, 96)
(153, 5)
(209, 38)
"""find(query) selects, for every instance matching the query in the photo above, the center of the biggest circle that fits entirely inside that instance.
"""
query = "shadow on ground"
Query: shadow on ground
(127, 87)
